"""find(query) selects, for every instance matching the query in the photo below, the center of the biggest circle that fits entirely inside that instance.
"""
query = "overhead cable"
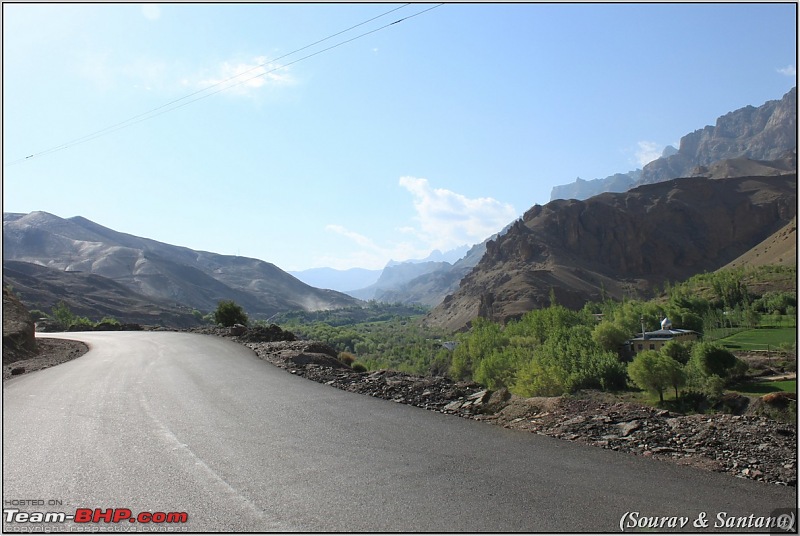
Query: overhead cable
(205, 92)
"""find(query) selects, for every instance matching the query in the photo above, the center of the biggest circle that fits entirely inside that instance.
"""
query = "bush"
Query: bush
(229, 313)
(358, 367)
(36, 315)
(347, 358)
(62, 315)
(655, 372)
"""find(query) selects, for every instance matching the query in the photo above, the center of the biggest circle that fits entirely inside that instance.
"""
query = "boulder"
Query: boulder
(778, 399)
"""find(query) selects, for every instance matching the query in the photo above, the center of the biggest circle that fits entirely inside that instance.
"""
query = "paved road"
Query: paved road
(174, 422)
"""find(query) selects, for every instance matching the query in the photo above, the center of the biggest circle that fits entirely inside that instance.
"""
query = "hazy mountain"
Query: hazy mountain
(582, 189)
(164, 272)
(450, 256)
(619, 244)
(341, 280)
(430, 281)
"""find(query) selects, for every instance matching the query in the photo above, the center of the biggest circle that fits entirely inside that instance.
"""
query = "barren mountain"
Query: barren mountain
(91, 295)
(619, 244)
(162, 272)
(779, 249)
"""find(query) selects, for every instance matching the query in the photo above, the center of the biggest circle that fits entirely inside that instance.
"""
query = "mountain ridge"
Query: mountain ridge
(762, 133)
(619, 244)
(196, 279)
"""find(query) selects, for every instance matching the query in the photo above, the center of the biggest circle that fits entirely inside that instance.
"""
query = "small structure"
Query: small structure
(654, 340)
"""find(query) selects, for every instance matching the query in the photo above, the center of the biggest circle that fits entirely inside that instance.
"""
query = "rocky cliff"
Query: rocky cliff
(619, 244)
(763, 133)
(767, 132)
(19, 337)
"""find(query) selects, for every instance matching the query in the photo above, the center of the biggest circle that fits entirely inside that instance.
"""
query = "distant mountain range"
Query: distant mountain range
(363, 284)
(767, 133)
(180, 277)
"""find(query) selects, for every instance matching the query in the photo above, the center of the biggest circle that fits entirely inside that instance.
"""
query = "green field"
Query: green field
(762, 388)
(761, 339)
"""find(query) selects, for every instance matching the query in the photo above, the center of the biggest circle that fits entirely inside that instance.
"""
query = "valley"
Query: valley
(536, 328)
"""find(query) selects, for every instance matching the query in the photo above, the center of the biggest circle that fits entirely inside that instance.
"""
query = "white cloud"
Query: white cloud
(647, 152)
(789, 70)
(369, 255)
(359, 239)
(444, 220)
(448, 219)
(151, 11)
(243, 78)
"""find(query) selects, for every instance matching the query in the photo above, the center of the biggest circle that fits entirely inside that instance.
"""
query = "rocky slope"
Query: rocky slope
(163, 272)
(19, 334)
(779, 249)
(619, 245)
(90, 295)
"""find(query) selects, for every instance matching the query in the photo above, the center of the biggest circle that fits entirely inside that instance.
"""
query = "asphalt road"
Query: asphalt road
(173, 422)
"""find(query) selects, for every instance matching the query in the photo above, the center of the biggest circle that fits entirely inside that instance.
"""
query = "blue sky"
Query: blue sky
(427, 134)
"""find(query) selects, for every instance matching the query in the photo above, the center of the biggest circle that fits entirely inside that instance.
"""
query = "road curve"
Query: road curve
(175, 422)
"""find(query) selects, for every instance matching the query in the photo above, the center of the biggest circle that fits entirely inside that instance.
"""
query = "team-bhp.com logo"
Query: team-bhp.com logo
(94, 515)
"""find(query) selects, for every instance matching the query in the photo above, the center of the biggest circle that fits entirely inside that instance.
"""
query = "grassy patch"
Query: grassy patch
(760, 339)
(762, 388)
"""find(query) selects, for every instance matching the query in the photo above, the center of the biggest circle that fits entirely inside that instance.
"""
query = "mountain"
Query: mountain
(159, 271)
(341, 280)
(365, 282)
(426, 281)
(582, 189)
(778, 249)
(765, 133)
(449, 256)
(394, 276)
(619, 244)
(91, 295)
(743, 167)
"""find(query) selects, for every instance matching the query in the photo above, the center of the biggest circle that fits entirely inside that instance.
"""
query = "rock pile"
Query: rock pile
(746, 446)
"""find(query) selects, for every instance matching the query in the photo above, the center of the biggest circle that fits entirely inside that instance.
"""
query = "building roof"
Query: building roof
(663, 334)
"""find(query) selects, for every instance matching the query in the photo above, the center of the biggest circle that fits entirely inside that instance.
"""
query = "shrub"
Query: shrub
(229, 313)
(347, 358)
(358, 367)
(62, 315)
(36, 315)
(655, 372)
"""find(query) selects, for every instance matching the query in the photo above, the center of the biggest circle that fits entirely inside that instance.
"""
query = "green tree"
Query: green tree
(229, 313)
(655, 372)
(62, 315)
(677, 351)
(609, 336)
(713, 359)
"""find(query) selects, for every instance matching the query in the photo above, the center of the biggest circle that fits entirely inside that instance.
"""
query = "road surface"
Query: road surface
(174, 422)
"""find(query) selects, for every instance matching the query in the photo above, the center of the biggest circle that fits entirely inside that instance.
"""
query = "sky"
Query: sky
(311, 135)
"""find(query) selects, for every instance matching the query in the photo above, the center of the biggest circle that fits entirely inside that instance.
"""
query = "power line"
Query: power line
(173, 105)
